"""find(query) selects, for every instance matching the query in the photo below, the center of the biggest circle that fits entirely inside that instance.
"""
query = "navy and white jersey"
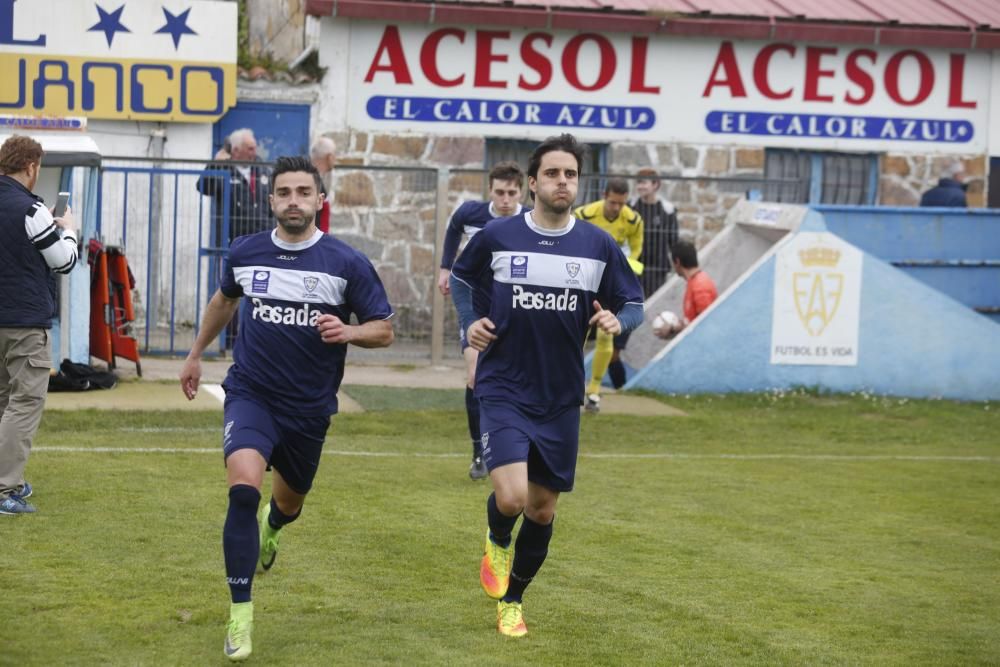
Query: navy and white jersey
(468, 219)
(279, 355)
(540, 286)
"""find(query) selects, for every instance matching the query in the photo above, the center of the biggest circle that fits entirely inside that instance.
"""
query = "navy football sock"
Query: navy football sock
(277, 518)
(530, 549)
(240, 540)
(617, 372)
(472, 412)
(501, 525)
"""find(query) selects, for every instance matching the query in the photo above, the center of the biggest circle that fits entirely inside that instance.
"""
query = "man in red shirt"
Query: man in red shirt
(700, 292)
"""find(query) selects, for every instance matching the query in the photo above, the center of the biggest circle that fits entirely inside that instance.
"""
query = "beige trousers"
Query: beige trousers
(25, 362)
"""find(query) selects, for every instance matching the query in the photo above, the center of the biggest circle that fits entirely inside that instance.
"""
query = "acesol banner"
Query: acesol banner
(817, 301)
(531, 84)
(128, 59)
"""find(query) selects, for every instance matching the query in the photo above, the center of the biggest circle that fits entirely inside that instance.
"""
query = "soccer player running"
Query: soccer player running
(302, 287)
(614, 216)
(548, 278)
(506, 181)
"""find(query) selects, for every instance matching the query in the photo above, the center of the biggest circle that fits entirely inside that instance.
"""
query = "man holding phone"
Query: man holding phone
(33, 245)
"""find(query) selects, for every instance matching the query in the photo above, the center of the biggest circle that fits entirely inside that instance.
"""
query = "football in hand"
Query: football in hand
(665, 324)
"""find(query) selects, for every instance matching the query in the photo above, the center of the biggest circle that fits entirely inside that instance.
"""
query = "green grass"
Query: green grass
(793, 530)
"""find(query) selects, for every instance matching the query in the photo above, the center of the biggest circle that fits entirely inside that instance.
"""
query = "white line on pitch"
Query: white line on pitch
(215, 390)
(426, 455)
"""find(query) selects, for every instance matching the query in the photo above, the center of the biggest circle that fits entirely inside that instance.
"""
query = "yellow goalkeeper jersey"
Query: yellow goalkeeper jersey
(626, 229)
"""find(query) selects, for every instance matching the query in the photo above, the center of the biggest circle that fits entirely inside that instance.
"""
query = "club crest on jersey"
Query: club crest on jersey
(573, 269)
(260, 281)
(310, 282)
(519, 266)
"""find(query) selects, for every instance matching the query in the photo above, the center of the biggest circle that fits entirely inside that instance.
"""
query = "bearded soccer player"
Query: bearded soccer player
(614, 216)
(548, 278)
(302, 287)
(506, 182)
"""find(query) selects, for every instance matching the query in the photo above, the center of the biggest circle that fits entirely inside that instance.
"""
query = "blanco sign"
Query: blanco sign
(463, 80)
(817, 302)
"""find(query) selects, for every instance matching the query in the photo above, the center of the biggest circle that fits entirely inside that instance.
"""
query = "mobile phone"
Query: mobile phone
(62, 201)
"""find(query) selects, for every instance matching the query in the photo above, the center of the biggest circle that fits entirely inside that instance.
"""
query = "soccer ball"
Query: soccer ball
(665, 323)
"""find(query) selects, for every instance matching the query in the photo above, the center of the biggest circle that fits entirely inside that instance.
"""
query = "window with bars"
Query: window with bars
(520, 151)
(821, 177)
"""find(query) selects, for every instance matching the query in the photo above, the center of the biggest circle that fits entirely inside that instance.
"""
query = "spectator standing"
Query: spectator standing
(250, 185)
(33, 245)
(949, 191)
(323, 155)
(659, 218)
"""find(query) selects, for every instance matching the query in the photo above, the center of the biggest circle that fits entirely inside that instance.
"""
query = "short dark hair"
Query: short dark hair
(507, 171)
(618, 186)
(563, 142)
(286, 164)
(685, 253)
(18, 152)
(647, 174)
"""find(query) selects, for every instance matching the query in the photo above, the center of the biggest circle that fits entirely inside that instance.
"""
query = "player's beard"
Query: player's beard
(297, 224)
(557, 206)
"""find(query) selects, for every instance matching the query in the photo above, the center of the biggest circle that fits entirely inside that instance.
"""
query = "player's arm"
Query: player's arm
(219, 311)
(373, 333)
(367, 299)
(452, 239)
(475, 258)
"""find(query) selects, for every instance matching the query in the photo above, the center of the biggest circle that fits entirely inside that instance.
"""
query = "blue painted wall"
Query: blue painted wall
(913, 341)
(956, 251)
(280, 129)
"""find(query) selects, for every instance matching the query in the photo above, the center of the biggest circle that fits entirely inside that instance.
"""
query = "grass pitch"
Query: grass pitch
(792, 529)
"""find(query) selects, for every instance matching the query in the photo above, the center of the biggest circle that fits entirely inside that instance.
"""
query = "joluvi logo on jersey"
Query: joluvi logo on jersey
(519, 266)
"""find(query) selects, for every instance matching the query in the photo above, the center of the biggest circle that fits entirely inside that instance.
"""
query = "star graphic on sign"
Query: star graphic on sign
(176, 26)
(110, 23)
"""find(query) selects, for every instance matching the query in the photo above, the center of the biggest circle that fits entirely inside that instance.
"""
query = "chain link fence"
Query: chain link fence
(396, 216)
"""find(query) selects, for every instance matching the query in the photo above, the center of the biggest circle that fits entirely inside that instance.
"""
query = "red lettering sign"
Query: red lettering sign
(957, 70)
(760, 65)
(892, 77)
(485, 57)
(536, 61)
(726, 61)
(571, 57)
(428, 57)
(392, 46)
(860, 77)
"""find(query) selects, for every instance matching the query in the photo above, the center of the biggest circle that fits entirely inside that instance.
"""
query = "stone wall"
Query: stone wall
(904, 178)
(385, 204)
(702, 204)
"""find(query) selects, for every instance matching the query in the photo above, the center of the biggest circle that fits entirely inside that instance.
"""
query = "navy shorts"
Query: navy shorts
(548, 440)
(290, 444)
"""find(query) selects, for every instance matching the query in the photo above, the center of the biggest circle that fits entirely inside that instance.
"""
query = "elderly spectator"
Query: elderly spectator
(949, 191)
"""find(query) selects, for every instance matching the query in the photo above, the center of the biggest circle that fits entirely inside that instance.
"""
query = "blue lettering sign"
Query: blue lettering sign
(507, 112)
(88, 84)
(21, 80)
(138, 102)
(7, 27)
(43, 82)
(824, 126)
(217, 78)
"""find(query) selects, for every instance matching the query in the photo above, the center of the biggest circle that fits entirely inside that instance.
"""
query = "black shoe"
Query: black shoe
(477, 469)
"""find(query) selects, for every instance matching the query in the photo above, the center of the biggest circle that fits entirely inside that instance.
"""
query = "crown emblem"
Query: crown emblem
(818, 256)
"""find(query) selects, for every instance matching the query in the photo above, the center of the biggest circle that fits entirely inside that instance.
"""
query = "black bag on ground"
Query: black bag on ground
(83, 373)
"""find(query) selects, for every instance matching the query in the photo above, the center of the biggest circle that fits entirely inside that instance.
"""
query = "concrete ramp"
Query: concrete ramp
(816, 311)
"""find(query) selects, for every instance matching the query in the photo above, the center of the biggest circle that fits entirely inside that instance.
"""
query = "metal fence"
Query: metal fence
(396, 216)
